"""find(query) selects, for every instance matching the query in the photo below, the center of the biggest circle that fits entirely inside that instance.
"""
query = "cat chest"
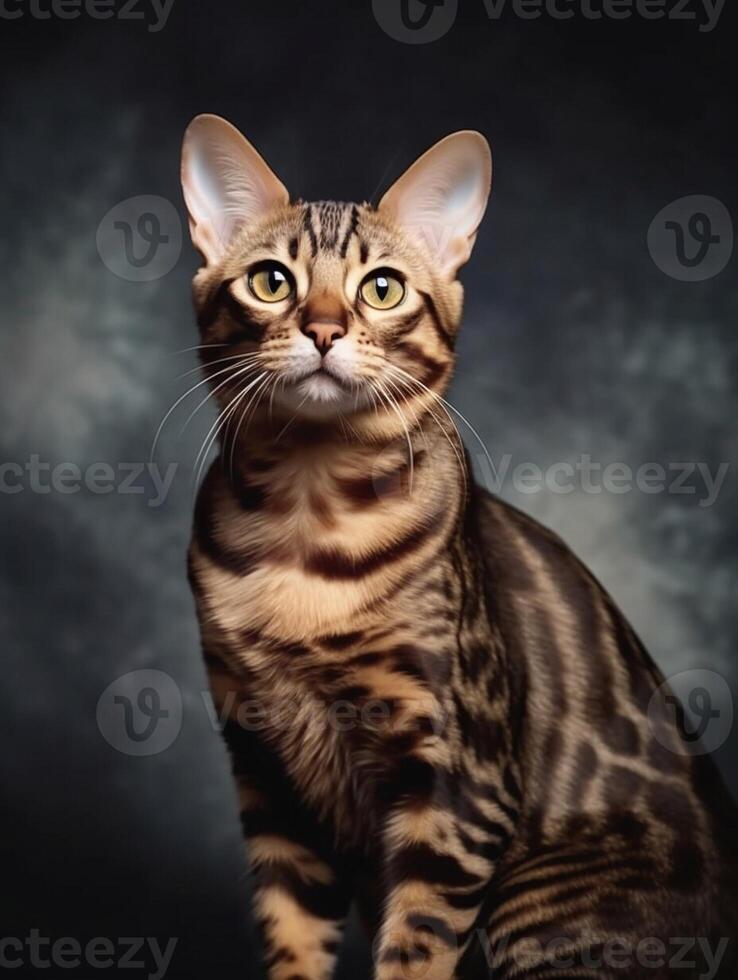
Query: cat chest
(275, 593)
(301, 570)
(340, 721)
(328, 740)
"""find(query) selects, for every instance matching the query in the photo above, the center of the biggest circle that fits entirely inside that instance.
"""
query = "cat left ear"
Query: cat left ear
(441, 199)
(226, 184)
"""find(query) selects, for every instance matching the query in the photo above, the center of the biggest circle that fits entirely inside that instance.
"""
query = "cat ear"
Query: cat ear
(442, 197)
(226, 184)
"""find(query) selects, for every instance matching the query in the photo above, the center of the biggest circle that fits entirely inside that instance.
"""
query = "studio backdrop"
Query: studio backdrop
(595, 389)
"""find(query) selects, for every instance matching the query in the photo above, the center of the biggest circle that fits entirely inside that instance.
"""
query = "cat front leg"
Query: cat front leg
(301, 888)
(438, 868)
(300, 904)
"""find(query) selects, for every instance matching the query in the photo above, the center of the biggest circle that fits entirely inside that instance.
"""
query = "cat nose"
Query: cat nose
(324, 333)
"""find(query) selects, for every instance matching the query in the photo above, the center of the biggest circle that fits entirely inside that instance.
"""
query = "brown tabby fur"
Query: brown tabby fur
(433, 708)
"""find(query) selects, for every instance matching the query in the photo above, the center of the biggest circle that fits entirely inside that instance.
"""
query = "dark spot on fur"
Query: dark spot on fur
(340, 641)
(621, 734)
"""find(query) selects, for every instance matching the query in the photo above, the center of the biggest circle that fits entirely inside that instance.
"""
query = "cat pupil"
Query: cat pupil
(275, 280)
(382, 287)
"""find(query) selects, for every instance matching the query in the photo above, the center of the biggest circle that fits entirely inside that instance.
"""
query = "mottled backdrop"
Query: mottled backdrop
(578, 342)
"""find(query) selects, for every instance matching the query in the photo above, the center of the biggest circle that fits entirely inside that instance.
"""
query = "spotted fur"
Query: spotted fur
(432, 708)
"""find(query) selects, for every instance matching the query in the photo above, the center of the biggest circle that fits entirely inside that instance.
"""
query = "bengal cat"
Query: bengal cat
(433, 709)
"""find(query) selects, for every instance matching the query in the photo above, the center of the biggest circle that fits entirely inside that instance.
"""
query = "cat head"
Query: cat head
(329, 308)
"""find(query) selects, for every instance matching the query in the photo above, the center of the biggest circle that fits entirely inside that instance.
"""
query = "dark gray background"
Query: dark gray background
(574, 342)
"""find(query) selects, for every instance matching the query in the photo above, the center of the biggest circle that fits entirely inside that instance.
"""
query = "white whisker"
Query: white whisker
(244, 414)
(393, 405)
(448, 405)
(186, 350)
(459, 455)
(221, 360)
(179, 402)
(231, 377)
(416, 421)
(217, 425)
(289, 423)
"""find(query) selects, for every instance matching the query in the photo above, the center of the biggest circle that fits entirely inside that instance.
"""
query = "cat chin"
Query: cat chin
(320, 396)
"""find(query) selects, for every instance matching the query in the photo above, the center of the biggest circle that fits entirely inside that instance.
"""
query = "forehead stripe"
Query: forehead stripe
(329, 215)
(308, 223)
(350, 231)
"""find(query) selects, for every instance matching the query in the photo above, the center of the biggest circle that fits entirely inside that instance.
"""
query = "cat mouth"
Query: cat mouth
(321, 391)
(323, 384)
(324, 373)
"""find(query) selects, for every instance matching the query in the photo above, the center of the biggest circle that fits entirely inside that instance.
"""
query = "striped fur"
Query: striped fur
(432, 708)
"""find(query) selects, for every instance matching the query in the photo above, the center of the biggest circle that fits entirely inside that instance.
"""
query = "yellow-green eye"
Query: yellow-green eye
(270, 282)
(382, 290)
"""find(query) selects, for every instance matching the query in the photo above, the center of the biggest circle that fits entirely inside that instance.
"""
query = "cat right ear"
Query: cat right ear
(226, 184)
(442, 198)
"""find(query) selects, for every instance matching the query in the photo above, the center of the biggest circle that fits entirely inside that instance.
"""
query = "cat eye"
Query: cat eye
(382, 290)
(270, 282)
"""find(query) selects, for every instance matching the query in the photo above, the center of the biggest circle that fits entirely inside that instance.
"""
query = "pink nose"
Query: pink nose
(324, 333)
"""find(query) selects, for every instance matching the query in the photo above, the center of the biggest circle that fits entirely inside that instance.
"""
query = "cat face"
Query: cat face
(329, 309)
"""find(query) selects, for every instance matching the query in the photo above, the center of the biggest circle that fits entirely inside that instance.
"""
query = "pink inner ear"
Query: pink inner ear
(226, 184)
(441, 199)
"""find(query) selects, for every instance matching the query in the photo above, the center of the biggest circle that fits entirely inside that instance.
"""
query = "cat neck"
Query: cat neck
(335, 470)
(315, 530)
